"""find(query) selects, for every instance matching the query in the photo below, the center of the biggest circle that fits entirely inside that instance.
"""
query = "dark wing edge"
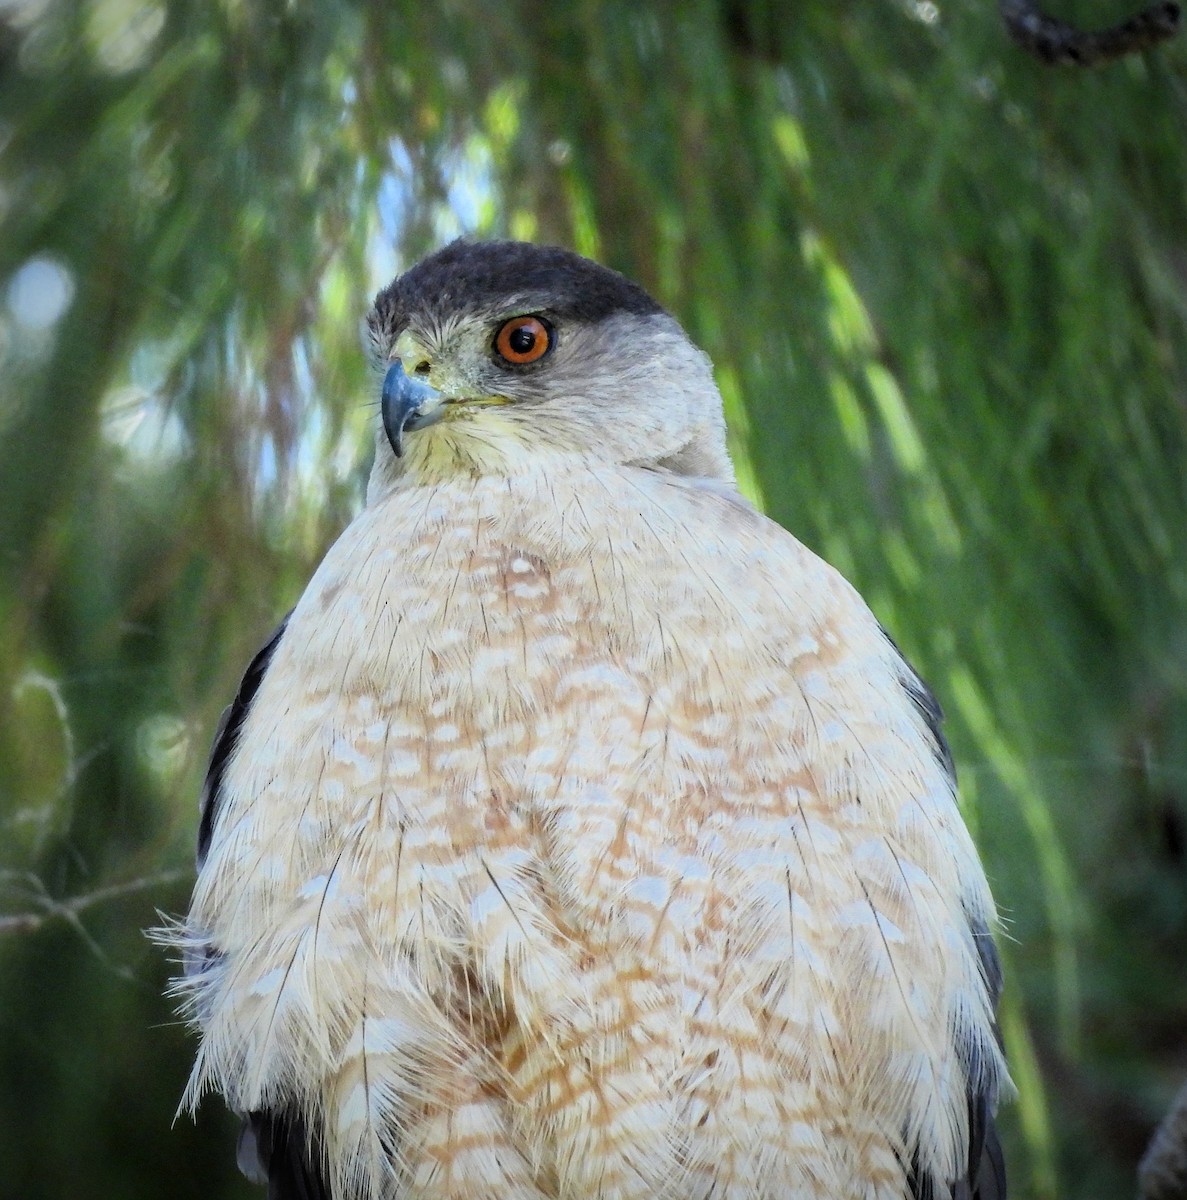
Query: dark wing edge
(986, 1178)
(986, 1175)
(227, 735)
(275, 1148)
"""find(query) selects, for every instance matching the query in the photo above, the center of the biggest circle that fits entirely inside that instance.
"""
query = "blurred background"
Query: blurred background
(945, 288)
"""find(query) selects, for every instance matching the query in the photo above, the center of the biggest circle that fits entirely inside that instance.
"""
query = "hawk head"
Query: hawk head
(496, 350)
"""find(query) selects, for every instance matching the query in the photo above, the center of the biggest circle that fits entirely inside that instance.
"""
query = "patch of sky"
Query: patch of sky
(470, 191)
(468, 208)
(39, 293)
(136, 414)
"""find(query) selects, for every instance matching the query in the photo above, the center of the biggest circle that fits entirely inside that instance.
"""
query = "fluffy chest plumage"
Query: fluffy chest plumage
(582, 840)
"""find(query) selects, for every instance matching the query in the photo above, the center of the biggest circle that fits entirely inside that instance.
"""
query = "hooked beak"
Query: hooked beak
(407, 405)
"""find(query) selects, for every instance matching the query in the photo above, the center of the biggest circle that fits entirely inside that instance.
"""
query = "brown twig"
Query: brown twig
(49, 909)
(1055, 41)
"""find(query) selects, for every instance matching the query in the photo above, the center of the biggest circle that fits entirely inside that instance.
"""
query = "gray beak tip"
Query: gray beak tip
(406, 404)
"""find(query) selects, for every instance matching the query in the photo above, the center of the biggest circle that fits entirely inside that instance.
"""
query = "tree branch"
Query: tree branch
(1055, 41)
(49, 909)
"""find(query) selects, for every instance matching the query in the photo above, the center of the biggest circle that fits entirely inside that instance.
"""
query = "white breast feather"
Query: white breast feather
(582, 841)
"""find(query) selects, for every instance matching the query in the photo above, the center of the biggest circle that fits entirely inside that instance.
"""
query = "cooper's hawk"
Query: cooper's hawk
(581, 834)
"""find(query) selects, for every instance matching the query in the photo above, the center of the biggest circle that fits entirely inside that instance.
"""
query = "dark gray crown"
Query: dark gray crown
(487, 276)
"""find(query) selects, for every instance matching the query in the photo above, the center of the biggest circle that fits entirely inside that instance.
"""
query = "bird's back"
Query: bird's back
(588, 837)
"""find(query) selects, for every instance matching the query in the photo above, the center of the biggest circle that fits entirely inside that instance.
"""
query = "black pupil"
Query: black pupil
(522, 340)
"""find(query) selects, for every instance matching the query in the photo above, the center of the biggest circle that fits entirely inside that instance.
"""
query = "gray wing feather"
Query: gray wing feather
(985, 1178)
(227, 735)
(275, 1148)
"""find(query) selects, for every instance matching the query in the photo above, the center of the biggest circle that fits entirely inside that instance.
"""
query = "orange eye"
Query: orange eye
(523, 340)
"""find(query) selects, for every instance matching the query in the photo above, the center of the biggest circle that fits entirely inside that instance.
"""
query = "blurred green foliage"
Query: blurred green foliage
(946, 292)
